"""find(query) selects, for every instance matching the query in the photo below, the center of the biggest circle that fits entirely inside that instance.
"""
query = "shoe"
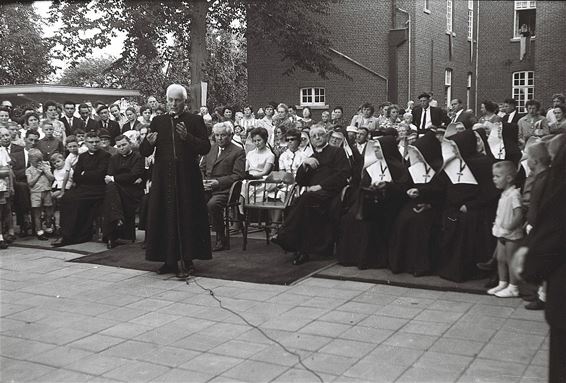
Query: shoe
(59, 242)
(3, 245)
(535, 305)
(219, 246)
(10, 238)
(500, 286)
(165, 269)
(528, 298)
(300, 258)
(111, 244)
(508, 292)
(492, 282)
(490, 265)
(184, 274)
(42, 237)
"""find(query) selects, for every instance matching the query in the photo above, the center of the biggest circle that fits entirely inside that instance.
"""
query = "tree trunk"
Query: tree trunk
(198, 51)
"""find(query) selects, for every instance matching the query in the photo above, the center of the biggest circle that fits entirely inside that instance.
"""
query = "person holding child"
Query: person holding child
(507, 228)
(40, 178)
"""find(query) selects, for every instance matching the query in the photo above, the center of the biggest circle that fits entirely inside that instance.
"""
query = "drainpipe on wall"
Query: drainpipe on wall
(409, 27)
(477, 57)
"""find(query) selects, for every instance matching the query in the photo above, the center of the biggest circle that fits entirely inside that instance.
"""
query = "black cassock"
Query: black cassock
(310, 226)
(123, 196)
(366, 227)
(177, 218)
(466, 237)
(80, 206)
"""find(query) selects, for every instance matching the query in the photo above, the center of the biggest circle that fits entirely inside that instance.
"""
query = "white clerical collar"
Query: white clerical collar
(321, 149)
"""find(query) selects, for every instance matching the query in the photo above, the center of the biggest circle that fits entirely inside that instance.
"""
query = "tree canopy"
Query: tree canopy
(25, 54)
(160, 37)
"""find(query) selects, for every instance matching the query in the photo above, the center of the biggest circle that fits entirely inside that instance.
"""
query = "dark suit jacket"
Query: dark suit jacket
(19, 165)
(546, 259)
(128, 126)
(77, 123)
(466, 118)
(437, 117)
(113, 128)
(14, 148)
(227, 168)
(91, 125)
(515, 119)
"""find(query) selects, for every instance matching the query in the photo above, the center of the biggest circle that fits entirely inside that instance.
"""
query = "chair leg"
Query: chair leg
(245, 232)
(227, 226)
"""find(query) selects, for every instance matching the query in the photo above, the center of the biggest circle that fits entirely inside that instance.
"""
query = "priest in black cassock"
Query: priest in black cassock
(177, 217)
(310, 226)
(124, 191)
(82, 205)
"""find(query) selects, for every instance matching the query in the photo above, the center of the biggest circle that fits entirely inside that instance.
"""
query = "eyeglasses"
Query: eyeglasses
(289, 139)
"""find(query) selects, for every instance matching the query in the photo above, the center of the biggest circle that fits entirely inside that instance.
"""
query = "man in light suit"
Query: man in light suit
(425, 116)
(460, 115)
(221, 167)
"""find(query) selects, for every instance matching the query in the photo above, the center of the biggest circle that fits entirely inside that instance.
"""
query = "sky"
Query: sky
(114, 49)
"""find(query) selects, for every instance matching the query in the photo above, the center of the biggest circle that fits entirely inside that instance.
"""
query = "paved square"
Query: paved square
(78, 322)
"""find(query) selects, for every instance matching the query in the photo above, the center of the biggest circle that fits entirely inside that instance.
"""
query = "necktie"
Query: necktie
(219, 151)
(423, 123)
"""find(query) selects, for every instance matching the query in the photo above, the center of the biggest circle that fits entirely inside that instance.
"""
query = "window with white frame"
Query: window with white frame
(313, 97)
(523, 88)
(469, 90)
(448, 86)
(470, 20)
(525, 17)
(449, 18)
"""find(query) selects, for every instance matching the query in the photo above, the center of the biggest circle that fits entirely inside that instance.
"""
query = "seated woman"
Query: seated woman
(414, 242)
(365, 228)
(470, 204)
(259, 163)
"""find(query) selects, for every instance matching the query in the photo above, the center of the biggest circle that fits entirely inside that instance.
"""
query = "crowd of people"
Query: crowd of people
(420, 189)
(392, 216)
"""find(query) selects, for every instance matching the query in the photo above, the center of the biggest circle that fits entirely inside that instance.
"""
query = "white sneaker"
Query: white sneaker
(499, 287)
(509, 292)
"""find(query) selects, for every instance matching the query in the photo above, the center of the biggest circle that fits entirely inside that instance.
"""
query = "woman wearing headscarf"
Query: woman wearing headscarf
(471, 201)
(414, 243)
(365, 228)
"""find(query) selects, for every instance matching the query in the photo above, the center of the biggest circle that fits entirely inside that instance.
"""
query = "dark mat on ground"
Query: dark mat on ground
(260, 263)
(386, 277)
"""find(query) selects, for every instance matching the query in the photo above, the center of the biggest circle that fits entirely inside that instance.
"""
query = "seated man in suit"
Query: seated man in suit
(221, 167)
(310, 226)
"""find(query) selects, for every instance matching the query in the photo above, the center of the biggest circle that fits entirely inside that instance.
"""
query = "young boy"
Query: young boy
(70, 162)
(49, 144)
(39, 179)
(80, 138)
(507, 227)
(61, 177)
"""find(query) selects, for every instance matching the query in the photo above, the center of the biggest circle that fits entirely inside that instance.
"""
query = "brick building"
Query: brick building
(395, 49)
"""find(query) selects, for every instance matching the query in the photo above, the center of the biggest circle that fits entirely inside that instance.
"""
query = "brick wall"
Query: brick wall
(359, 30)
(499, 52)
(550, 68)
